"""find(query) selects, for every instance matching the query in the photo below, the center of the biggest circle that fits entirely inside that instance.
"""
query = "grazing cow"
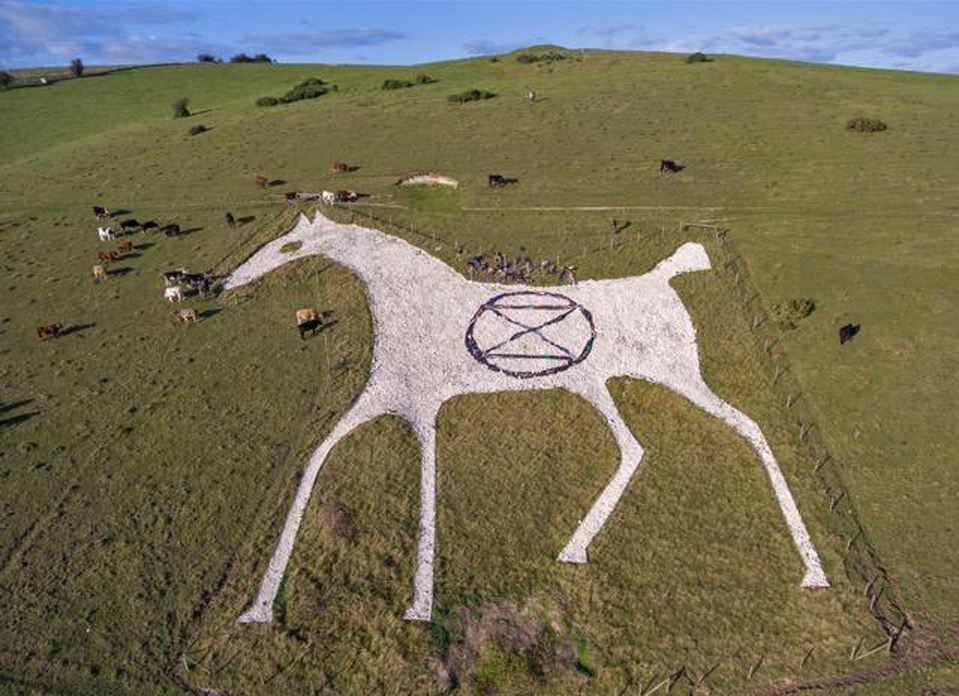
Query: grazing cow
(309, 327)
(306, 314)
(531, 95)
(443, 335)
(171, 278)
(100, 211)
(339, 167)
(107, 256)
(328, 197)
(99, 273)
(346, 196)
(847, 332)
(566, 276)
(124, 246)
(496, 180)
(49, 330)
(149, 226)
(105, 234)
(290, 196)
(187, 315)
(170, 230)
(261, 181)
(230, 220)
(131, 225)
(174, 294)
(669, 166)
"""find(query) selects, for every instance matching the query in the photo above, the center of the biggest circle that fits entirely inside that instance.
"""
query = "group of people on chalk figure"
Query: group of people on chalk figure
(519, 269)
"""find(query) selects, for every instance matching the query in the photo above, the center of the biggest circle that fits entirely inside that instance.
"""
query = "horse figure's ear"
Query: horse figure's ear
(691, 256)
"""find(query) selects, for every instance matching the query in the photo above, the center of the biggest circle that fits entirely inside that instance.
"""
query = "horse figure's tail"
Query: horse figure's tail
(691, 256)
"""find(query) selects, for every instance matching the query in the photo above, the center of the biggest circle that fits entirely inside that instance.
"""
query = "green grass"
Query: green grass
(147, 466)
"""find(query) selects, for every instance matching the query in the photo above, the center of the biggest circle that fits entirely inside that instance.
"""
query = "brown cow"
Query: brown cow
(306, 314)
(261, 181)
(187, 315)
(124, 246)
(99, 273)
(107, 256)
(339, 167)
(49, 330)
(149, 226)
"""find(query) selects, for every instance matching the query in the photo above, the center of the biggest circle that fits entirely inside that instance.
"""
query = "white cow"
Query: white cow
(438, 335)
(105, 234)
(173, 294)
(328, 197)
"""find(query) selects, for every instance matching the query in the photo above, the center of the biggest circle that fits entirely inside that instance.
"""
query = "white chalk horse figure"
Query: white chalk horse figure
(437, 335)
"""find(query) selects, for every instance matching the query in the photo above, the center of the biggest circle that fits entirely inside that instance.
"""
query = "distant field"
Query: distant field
(146, 466)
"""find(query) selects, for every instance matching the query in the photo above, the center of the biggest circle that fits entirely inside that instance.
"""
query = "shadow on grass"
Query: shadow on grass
(207, 313)
(246, 219)
(77, 328)
(15, 420)
(121, 211)
(122, 271)
(189, 230)
(277, 182)
(144, 245)
(14, 404)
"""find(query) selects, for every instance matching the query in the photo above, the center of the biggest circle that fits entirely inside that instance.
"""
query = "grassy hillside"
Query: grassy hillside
(146, 466)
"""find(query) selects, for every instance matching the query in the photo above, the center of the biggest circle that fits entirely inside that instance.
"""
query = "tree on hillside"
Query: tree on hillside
(208, 58)
(6, 79)
(179, 108)
(76, 67)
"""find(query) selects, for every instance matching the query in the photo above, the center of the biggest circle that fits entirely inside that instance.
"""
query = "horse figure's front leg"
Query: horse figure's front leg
(630, 455)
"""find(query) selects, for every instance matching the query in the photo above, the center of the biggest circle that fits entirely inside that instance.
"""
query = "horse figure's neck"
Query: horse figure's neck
(374, 254)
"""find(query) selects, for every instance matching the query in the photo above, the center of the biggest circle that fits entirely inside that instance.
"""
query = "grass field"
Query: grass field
(146, 466)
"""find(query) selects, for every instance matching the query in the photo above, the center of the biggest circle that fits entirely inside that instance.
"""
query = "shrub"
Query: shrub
(527, 58)
(244, 58)
(424, 79)
(180, 109)
(866, 125)
(199, 128)
(470, 95)
(396, 84)
(788, 312)
(6, 79)
(208, 58)
(267, 101)
(310, 88)
(76, 67)
(698, 57)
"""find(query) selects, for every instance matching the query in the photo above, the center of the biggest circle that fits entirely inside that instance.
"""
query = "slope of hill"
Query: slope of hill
(146, 466)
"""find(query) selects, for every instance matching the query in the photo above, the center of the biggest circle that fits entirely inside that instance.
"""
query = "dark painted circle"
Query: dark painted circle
(565, 308)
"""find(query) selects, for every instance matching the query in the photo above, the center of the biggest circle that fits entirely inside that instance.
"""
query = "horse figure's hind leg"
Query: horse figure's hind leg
(421, 608)
(630, 452)
(701, 395)
(261, 611)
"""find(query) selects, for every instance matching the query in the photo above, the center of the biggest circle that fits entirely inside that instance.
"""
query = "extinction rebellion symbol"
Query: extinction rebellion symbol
(530, 334)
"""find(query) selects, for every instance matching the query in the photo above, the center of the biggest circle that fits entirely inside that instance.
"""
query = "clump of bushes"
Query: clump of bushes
(788, 312)
(244, 58)
(424, 79)
(6, 79)
(310, 88)
(180, 109)
(548, 57)
(470, 95)
(208, 58)
(396, 84)
(199, 128)
(76, 67)
(866, 125)
(698, 57)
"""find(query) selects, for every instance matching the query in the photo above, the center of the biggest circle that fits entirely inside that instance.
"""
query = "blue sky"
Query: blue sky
(903, 35)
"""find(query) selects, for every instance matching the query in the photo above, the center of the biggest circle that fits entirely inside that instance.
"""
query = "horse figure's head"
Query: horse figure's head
(305, 238)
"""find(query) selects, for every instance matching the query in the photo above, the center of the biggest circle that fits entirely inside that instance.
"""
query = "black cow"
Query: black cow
(170, 230)
(100, 211)
(171, 278)
(149, 226)
(230, 220)
(310, 326)
(670, 167)
(847, 332)
(496, 180)
(131, 225)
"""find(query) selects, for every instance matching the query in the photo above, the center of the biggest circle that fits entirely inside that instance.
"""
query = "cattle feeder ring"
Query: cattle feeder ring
(530, 334)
